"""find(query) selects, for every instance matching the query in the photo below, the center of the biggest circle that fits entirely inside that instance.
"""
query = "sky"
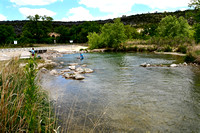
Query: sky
(85, 10)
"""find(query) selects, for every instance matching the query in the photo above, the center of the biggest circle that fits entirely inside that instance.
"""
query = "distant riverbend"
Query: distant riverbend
(121, 96)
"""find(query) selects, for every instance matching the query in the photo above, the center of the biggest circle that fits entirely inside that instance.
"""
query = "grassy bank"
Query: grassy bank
(24, 106)
(192, 51)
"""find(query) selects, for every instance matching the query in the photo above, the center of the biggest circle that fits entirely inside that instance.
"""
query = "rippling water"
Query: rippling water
(121, 96)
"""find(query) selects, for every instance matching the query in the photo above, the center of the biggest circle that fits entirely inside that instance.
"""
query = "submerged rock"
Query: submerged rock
(66, 70)
(44, 70)
(88, 70)
(53, 72)
(80, 70)
(72, 67)
(145, 65)
(84, 65)
(72, 64)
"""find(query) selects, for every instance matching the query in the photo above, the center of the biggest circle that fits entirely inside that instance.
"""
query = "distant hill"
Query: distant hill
(138, 20)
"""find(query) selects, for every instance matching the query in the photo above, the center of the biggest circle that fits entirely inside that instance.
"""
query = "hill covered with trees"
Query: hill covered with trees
(137, 21)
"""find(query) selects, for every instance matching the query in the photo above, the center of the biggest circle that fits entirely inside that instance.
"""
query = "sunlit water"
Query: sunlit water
(121, 96)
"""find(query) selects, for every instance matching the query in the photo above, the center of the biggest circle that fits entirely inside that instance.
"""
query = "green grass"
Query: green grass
(24, 106)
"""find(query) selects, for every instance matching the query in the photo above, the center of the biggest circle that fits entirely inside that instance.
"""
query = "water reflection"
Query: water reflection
(120, 96)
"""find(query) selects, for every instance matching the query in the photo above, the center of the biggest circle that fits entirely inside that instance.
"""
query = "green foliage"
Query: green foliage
(112, 35)
(190, 58)
(37, 29)
(95, 41)
(7, 34)
(197, 33)
(77, 33)
(64, 34)
(149, 30)
(171, 27)
(167, 48)
(131, 32)
(195, 4)
(182, 49)
(24, 107)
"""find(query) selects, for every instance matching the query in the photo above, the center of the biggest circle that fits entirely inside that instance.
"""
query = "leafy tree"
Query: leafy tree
(150, 30)
(7, 34)
(196, 5)
(64, 34)
(37, 29)
(112, 35)
(87, 27)
(131, 32)
(171, 27)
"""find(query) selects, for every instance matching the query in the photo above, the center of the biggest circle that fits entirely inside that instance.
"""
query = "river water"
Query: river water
(121, 96)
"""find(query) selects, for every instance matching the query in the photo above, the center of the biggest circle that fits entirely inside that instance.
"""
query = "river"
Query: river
(121, 96)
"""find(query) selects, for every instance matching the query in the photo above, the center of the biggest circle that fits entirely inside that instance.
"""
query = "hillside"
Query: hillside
(138, 20)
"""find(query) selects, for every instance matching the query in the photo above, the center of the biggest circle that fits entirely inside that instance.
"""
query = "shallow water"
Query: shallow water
(121, 96)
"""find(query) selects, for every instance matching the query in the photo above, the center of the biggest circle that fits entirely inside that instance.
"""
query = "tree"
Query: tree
(111, 36)
(7, 34)
(37, 29)
(64, 34)
(131, 32)
(196, 5)
(171, 27)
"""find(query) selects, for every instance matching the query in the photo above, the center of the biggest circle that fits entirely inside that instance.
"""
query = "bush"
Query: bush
(182, 49)
(167, 48)
(189, 58)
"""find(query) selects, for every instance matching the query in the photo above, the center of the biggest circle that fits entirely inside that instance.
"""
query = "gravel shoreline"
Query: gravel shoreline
(7, 54)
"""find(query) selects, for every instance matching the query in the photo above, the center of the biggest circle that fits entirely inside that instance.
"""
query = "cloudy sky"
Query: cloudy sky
(78, 10)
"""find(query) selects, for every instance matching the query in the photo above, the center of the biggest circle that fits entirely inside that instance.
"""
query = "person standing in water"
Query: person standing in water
(81, 56)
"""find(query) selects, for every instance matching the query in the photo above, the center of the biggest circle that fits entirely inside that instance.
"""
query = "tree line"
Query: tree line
(37, 30)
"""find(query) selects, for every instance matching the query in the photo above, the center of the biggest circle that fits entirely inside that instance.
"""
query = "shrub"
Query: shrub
(167, 48)
(189, 58)
(182, 49)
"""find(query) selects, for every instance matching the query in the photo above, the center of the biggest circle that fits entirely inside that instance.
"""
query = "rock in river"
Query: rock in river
(173, 65)
(79, 77)
(53, 72)
(79, 70)
(88, 70)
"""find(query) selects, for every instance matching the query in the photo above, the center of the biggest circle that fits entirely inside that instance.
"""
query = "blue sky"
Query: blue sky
(78, 10)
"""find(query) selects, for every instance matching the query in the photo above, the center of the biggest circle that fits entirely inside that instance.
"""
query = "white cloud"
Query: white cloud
(42, 11)
(2, 17)
(82, 14)
(78, 14)
(110, 6)
(124, 6)
(33, 2)
(164, 4)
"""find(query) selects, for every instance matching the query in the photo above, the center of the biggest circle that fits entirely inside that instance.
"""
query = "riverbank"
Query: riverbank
(9, 53)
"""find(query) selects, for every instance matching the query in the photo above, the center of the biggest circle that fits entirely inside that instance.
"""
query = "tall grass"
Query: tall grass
(24, 106)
